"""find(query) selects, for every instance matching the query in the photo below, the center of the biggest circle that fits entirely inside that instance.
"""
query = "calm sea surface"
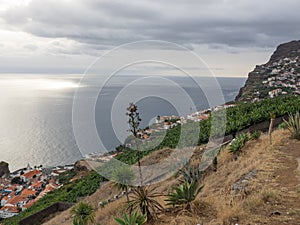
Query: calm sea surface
(36, 111)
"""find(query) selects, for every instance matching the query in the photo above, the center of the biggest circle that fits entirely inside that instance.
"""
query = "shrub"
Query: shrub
(184, 194)
(238, 143)
(255, 135)
(133, 219)
(293, 125)
(282, 126)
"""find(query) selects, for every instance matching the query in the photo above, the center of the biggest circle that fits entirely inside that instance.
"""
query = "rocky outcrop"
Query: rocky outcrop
(82, 166)
(4, 170)
(281, 72)
(290, 50)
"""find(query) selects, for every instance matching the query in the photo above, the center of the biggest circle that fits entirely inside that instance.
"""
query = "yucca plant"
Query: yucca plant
(184, 195)
(133, 219)
(293, 125)
(83, 214)
(143, 199)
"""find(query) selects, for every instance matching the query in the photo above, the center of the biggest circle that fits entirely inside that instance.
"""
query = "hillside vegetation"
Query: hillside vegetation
(261, 187)
(237, 118)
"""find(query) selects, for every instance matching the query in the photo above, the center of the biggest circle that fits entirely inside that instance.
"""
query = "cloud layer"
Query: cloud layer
(112, 22)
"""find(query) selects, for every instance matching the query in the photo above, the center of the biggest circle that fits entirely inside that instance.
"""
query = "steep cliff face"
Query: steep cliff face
(279, 76)
(4, 170)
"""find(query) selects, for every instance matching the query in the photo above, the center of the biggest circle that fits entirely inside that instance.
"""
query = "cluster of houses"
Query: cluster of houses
(163, 123)
(281, 75)
(26, 186)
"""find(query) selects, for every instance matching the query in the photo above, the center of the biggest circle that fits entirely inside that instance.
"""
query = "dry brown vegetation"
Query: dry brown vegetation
(271, 196)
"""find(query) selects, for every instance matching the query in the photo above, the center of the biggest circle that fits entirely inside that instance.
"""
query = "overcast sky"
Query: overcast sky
(65, 36)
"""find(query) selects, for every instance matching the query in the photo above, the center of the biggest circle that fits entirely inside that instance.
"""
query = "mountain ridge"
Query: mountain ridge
(280, 75)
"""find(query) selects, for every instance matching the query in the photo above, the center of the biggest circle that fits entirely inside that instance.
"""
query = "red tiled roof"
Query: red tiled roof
(16, 199)
(37, 184)
(5, 198)
(12, 209)
(27, 192)
(30, 174)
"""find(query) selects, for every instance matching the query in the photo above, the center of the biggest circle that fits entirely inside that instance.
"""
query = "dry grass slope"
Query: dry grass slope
(268, 195)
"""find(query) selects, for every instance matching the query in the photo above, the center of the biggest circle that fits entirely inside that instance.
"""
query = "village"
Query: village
(22, 188)
(281, 77)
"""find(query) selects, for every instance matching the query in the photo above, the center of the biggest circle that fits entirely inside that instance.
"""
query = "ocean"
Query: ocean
(36, 125)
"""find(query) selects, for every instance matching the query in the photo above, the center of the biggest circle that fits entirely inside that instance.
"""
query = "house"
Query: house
(4, 200)
(28, 192)
(8, 211)
(275, 93)
(38, 185)
(17, 200)
(167, 125)
(31, 175)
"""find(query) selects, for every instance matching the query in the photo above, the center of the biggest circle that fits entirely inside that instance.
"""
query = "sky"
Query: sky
(66, 36)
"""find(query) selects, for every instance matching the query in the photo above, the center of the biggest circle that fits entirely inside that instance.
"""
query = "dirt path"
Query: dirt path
(287, 181)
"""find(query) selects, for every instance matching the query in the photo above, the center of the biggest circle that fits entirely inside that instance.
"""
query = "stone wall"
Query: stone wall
(44, 215)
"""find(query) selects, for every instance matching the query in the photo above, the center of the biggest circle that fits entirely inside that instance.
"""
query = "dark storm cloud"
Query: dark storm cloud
(110, 23)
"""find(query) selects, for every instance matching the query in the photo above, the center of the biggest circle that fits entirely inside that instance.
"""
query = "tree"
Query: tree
(120, 148)
(16, 180)
(83, 214)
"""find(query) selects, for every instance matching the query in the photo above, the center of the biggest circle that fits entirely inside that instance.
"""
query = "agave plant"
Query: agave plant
(184, 194)
(293, 125)
(191, 174)
(133, 219)
(143, 198)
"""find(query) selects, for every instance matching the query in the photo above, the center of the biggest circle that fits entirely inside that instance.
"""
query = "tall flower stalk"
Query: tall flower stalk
(134, 123)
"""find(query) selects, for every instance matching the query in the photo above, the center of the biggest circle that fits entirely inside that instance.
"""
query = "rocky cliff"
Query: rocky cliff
(4, 170)
(279, 76)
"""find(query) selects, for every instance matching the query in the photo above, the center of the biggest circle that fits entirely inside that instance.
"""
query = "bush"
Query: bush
(282, 126)
(255, 135)
(238, 143)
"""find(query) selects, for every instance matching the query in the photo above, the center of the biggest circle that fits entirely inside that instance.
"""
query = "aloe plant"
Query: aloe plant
(184, 194)
(293, 125)
(133, 219)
